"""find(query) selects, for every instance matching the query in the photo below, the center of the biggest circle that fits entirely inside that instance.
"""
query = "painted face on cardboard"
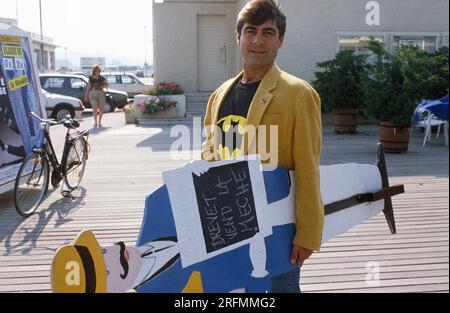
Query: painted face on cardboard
(259, 44)
(122, 265)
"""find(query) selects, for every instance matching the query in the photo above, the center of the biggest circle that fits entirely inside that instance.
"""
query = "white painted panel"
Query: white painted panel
(211, 49)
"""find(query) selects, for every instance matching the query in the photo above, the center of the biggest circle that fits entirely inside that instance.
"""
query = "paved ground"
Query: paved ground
(126, 164)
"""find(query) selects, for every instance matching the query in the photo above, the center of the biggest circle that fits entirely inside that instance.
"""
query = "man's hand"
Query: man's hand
(299, 255)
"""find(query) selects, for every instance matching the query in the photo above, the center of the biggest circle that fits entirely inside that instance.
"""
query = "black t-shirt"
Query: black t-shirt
(97, 83)
(232, 118)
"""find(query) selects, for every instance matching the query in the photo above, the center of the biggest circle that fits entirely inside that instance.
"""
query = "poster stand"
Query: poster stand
(20, 92)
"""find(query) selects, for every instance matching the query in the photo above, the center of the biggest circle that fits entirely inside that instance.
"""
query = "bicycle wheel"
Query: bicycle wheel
(31, 184)
(76, 163)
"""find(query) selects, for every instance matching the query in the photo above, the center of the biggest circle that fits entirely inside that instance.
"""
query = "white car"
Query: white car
(127, 82)
(59, 106)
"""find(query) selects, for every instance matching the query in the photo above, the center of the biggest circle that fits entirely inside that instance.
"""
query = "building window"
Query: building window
(76, 83)
(445, 41)
(426, 43)
(53, 82)
(112, 79)
(38, 55)
(356, 42)
(46, 65)
(52, 61)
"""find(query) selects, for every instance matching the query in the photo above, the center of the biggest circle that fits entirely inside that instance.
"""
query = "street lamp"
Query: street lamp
(67, 63)
(42, 37)
(145, 51)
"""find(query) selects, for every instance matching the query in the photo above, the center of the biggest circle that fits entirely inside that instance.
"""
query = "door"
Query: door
(76, 88)
(131, 85)
(212, 51)
(113, 81)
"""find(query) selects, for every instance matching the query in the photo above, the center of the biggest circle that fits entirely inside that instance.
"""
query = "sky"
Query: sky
(119, 30)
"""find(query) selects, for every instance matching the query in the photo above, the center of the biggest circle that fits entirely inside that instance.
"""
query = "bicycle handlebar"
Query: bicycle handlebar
(68, 120)
(43, 120)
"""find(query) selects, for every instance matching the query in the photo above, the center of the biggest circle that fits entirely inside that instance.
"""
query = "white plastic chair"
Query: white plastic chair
(427, 121)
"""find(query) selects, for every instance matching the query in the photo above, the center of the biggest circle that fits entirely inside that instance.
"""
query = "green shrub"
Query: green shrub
(339, 81)
(397, 83)
(438, 79)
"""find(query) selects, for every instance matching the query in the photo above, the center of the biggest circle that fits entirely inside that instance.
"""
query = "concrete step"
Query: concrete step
(198, 98)
(196, 104)
(199, 109)
(198, 94)
(191, 115)
(203, 110)
(188, 120)
(196, 109)
(162, 122)
(202, 97)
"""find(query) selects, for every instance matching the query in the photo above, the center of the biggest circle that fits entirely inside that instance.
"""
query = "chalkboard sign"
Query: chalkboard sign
(226, 205)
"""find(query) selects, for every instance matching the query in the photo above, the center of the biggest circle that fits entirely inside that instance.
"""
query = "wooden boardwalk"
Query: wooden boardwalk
(126, 164)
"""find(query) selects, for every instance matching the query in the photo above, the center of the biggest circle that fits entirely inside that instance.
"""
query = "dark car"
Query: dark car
(75, 86)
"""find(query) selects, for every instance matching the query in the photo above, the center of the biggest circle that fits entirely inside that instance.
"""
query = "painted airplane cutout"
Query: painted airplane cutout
(221, 227)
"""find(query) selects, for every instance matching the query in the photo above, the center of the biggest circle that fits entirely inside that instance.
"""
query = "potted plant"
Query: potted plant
(397, 84)
(158, 108)
(170, 91)
(438, 82)
(339, 86)
(128, 111)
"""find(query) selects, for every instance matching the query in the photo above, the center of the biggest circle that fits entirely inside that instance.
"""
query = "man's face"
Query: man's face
(122, 265)
(259, 44)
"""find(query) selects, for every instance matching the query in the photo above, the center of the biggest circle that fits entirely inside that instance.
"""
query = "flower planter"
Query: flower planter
(345, 121)
(167, 114)
(180, 109)
(130, 118)
(181, 104)
(395, 138)
(137, 100)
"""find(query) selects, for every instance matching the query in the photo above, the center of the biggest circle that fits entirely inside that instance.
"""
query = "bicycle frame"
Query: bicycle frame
(49, 150)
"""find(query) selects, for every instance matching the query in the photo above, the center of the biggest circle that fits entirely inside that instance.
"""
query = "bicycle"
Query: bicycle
(32, 180)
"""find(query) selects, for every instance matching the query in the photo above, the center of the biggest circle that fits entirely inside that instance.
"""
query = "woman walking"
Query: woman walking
(95, 94)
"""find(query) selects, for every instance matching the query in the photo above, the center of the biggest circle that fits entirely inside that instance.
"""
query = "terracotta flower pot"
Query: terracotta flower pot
(395, 138)
(345, 121)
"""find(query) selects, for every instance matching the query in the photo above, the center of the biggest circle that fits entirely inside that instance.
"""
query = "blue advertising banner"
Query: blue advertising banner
(19, 94)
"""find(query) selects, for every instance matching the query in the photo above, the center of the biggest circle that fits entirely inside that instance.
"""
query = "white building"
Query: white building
(45, 61)
(195, 41)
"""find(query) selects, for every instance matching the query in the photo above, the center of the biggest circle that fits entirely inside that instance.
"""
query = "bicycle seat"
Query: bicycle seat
(71, 123)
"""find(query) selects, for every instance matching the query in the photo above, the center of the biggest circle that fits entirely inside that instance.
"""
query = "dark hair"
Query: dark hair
(257, 12)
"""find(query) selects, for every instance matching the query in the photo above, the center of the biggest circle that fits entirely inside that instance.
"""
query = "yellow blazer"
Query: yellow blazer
(294, 106)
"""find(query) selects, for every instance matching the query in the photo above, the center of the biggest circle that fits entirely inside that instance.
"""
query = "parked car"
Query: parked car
(140, 73)
(75, 86)
(79, 73)
(59, 106)
(127, 82)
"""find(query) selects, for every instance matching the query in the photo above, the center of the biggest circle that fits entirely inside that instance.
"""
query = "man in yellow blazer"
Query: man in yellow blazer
(262, 94)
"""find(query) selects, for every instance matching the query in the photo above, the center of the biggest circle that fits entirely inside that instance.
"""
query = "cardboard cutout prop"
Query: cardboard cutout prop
(19, 93)
(219, 227)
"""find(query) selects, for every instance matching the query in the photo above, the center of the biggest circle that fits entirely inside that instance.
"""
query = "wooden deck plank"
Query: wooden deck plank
(406, 282)
(126, 164)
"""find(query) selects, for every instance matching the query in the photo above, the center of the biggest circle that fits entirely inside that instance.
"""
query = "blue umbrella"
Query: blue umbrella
(438, 108)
